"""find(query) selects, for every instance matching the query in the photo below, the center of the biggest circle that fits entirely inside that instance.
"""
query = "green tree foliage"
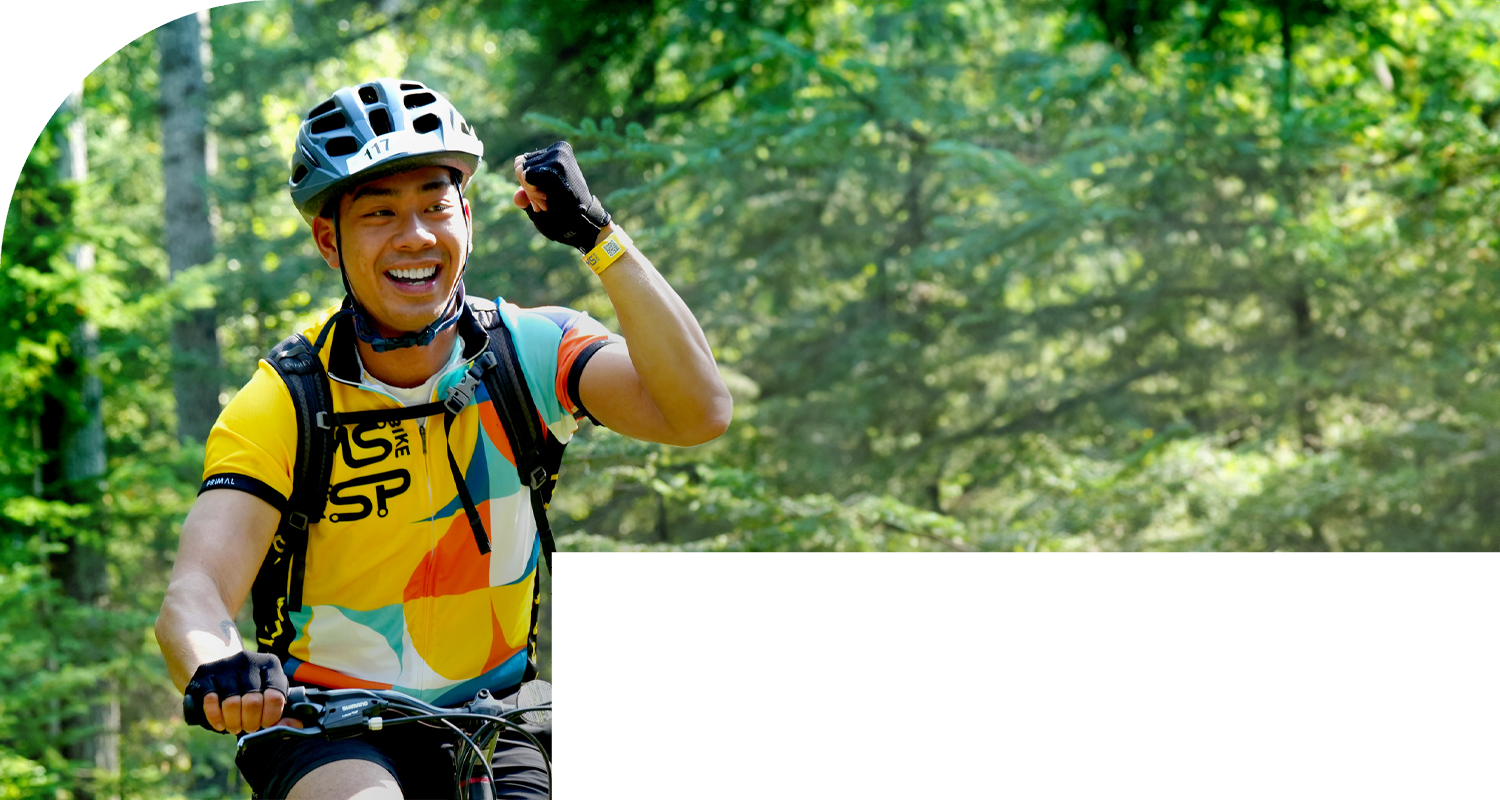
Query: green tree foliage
(1142, 275)
(36, 283)
(1103, 295)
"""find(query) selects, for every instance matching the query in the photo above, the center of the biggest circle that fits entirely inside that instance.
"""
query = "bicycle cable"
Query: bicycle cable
(444, 718)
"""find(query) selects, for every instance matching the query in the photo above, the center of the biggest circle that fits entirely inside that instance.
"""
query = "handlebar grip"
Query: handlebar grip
(192, 713)
(705, 712)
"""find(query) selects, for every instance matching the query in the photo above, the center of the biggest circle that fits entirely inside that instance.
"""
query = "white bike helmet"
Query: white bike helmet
(371, 130)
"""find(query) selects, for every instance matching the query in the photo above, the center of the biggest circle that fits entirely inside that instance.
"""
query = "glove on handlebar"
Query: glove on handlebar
(573, 216)
(238, 674)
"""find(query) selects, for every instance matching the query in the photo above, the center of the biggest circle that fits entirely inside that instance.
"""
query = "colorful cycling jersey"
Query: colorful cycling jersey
(395, 593)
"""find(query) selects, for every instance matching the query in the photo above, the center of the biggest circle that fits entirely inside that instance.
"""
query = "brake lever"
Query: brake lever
(298, 708)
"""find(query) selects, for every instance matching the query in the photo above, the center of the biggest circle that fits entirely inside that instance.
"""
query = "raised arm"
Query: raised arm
(664, 385)
(224, 540)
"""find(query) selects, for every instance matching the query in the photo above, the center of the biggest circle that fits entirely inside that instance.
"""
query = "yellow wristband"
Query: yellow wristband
(607, 252)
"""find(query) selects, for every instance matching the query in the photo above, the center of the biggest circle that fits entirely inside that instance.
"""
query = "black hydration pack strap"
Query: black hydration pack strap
(381, 415)
(538, 455)
(458, 397)
(278, 585)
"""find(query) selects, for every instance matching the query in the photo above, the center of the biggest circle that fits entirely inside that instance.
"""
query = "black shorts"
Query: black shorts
(419, 757)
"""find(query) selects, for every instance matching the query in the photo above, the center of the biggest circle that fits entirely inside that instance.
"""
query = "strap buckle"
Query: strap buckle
(322, 420)
(297, 520)
(460, 395)
(538, 477)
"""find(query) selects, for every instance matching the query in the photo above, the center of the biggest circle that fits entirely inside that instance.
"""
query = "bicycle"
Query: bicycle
(337, 713)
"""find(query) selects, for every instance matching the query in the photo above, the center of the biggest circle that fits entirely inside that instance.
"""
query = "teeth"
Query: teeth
(414, 274)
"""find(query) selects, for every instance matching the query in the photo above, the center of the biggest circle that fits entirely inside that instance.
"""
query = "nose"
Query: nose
(414, 234)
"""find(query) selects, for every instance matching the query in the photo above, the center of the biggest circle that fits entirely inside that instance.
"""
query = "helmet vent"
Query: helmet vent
(380, 122)
(418, 100)
(299, 173)
(332, 122)
(342, 146)
(367, 94)
(410, 86)
(426, 123)
(321, 109)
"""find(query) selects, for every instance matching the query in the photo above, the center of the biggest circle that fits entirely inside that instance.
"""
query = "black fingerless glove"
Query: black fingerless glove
(238, 674)
(573, 216)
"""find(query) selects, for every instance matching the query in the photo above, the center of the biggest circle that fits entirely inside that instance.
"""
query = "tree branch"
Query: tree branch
(319, 51)
(1037, 417)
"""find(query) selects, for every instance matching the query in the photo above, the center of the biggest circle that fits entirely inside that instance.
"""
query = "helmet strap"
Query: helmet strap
(364, 327)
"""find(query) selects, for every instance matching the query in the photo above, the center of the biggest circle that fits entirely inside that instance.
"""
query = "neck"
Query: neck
(409, 366)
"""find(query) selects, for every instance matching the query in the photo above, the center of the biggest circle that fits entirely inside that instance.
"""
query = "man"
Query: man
(421, 577)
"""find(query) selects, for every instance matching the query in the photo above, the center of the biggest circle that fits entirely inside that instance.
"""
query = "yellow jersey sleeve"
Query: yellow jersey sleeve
(253, 445)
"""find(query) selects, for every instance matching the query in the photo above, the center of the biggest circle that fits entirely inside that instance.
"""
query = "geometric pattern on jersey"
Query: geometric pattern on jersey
(395, 592)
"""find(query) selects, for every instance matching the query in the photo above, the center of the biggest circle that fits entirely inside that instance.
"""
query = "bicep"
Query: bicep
(611, 390)
(225, 539)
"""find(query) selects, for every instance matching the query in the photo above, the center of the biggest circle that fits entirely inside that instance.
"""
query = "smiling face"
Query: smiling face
(404, 240)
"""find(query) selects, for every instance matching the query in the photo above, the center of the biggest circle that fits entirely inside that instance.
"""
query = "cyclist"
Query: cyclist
(422, 576)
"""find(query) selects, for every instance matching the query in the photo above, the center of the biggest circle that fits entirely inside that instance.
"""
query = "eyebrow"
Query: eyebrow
(380, 191)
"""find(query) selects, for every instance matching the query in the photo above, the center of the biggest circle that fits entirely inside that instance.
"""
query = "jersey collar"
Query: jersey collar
(343, 357)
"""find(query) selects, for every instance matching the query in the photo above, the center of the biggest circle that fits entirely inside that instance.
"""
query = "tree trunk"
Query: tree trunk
(189, 227)
(78, 440)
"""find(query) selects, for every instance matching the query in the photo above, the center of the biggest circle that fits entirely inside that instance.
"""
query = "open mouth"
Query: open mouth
(413, 277)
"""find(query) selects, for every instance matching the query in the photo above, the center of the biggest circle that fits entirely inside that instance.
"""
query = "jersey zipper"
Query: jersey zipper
(432, 540)
(431, 533)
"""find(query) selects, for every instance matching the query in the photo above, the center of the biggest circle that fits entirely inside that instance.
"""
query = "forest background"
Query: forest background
(982, 276)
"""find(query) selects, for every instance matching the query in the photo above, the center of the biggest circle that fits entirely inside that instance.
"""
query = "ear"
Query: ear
(323, 237)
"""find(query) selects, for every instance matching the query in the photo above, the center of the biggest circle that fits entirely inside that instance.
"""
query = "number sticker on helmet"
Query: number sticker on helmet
(381, 148)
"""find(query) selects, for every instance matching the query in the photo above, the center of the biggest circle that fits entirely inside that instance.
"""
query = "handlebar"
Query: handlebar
(618, 695)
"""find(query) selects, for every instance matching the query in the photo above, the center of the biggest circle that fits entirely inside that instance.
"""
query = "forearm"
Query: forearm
(224, 539)
(667, 347)
(194, 627)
